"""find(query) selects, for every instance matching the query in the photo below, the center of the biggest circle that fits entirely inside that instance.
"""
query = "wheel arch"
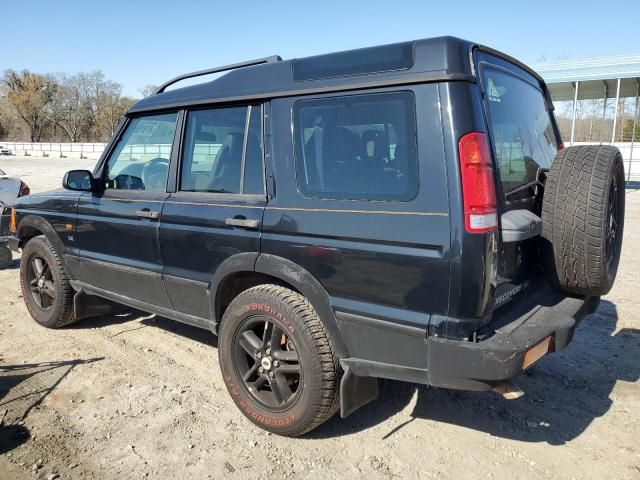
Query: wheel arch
(245, 270)
(33, 225)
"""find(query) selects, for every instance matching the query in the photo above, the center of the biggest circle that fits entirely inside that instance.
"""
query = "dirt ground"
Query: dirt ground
(136, 396)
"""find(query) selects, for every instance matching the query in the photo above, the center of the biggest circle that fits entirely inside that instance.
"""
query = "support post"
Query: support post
(604, 110)
(615, 113)
(575, 105)
(633, 129)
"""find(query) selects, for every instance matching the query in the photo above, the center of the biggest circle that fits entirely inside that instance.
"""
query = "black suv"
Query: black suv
(405, 211)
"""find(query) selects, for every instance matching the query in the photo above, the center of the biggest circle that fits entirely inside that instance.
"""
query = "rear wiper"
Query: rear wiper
(524, 187)
(220, 190)
(533, 183)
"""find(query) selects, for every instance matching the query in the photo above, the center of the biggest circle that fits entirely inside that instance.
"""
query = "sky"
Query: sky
(137, 43)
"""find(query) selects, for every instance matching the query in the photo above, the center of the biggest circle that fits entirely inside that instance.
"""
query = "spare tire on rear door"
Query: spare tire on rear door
(583, 219)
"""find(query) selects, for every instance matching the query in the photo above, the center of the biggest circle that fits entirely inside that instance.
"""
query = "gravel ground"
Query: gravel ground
(137, 396)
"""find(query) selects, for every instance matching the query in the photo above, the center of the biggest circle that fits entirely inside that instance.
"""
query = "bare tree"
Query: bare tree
(148, 90)
(31, 95)
(71, 107)
(107, 104)
(83, 106)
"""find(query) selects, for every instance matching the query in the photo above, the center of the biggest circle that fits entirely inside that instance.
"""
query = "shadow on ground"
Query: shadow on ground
(139, 320)
(565, 391)
(19, 406)
(206, 337)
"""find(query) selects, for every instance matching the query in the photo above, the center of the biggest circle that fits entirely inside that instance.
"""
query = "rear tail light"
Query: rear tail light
(561, 146)
(24, 189)
(478, 187)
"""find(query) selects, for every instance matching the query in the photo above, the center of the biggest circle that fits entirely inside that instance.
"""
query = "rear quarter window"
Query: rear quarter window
(360, 147)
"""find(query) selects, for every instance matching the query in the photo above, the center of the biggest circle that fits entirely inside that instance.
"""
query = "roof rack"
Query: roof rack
(209, 71)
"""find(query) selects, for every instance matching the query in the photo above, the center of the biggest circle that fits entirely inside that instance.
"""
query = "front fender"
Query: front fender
(33, 225)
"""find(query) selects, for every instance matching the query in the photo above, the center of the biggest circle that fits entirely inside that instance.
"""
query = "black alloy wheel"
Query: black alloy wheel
(277, 361)
(267, 361)
(613, 222)
(41, 283)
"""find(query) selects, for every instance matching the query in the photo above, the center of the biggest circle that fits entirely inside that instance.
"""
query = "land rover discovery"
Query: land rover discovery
(405, 211)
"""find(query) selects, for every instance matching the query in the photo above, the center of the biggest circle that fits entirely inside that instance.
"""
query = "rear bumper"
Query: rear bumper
(547, 316)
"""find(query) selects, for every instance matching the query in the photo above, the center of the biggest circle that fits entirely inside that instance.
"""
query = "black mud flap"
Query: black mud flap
(5, 255)
(86, 306)
(356, 392)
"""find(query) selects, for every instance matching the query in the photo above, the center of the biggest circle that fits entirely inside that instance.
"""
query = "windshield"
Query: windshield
(522, 132)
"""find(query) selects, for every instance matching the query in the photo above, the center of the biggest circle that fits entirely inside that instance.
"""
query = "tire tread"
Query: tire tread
(326, 402)
(574, 216)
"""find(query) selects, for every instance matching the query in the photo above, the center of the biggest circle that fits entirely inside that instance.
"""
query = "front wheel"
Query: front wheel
(277, 361)
(45, 285)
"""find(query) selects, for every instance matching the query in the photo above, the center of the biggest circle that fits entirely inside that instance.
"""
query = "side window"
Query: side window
(358, 147)
(222, 155)
(140, 160)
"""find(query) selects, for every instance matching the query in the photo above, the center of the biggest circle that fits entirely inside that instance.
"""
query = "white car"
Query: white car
(4, 150)
(10, 189)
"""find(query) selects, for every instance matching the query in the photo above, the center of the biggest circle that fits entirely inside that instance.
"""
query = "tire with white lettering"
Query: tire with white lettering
(583, 219)
(277, 361)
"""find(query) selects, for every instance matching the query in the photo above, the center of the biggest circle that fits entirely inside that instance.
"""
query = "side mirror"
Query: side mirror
(78, 180)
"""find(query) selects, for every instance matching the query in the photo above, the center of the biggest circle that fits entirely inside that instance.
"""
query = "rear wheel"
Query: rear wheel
(583, 219)
(45, 285)
(277, 361)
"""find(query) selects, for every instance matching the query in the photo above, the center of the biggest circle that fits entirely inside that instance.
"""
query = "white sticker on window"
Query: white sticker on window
(146, 129)
(492, 91)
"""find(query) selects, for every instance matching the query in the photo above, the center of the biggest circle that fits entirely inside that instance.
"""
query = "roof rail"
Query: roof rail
(209, 71)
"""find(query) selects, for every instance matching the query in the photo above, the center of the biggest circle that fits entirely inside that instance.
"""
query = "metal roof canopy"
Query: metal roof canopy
(593, 74)
(594, 78)
(593, 89)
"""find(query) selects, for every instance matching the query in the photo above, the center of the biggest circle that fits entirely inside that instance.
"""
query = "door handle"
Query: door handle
(242, 222)
(146, 213)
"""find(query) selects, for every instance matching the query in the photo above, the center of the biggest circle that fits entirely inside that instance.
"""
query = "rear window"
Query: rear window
(522, 133)
(358, 147)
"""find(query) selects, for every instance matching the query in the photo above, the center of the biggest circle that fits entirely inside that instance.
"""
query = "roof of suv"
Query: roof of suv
(433, 59)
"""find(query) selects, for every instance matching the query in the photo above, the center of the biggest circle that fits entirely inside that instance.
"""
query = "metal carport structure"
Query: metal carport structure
(606, 78)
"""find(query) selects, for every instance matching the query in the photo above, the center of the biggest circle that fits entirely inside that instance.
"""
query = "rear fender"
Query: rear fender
(308, 286)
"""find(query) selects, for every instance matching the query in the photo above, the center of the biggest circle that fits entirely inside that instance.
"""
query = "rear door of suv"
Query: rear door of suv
(216, 207)
(524, 139)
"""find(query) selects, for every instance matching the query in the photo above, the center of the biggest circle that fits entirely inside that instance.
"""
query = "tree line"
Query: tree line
(594, 120)
(85, 107)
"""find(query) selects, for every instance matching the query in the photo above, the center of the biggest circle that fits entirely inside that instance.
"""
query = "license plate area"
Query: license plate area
(536, 352)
